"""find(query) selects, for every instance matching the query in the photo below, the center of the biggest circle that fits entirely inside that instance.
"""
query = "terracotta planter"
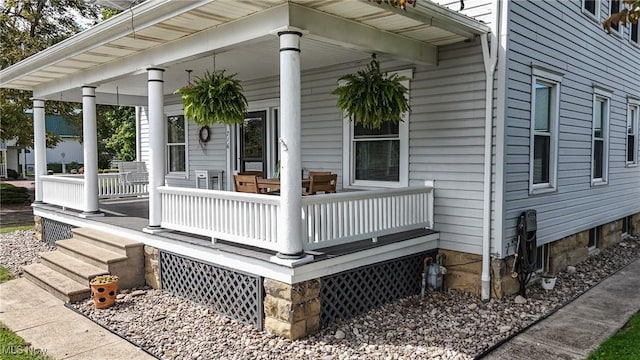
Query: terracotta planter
(104, 295)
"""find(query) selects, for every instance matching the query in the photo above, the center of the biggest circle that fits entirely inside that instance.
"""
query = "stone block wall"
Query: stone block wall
(38, 227)
(610, 234)
(152, 267)
(463, 271)
(635, 224)
(568, 251)
(292, 311)
(502, 283)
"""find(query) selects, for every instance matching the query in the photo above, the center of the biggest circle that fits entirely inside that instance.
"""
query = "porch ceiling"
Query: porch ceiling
(163, 33)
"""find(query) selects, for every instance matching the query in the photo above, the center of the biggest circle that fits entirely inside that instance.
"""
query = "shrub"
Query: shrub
(10, 194)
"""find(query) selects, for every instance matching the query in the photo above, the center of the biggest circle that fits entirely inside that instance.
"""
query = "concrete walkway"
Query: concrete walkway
(43, 320)
(577, 329)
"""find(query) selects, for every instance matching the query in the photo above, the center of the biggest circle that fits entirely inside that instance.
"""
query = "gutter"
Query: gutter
(490, 60)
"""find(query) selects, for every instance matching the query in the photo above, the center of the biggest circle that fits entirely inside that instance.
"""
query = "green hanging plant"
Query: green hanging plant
(371, 98)
(214, 98)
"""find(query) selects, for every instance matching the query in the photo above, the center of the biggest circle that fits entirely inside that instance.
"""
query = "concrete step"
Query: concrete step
(89, 253)
(60, 286)
(118, 244)
(71, 267)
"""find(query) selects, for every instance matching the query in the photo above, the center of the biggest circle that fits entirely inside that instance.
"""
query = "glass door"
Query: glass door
(253, 154)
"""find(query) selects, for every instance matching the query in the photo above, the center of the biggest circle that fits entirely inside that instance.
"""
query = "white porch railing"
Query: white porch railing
(327, 220)
(111, 186)
(249, 219)
(65, 191)
(341, 218)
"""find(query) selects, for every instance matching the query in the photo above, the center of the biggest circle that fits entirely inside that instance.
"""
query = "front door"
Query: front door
(253, 139)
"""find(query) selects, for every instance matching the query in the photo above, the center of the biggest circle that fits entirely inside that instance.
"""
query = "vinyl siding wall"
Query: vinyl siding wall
(445, 142)
(558, 36)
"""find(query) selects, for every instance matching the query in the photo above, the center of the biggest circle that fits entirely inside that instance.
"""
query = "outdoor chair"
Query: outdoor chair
(246, 183)
(133, 172)
(322, 183)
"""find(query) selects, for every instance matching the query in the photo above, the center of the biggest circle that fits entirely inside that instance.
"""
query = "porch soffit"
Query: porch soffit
(112, 49)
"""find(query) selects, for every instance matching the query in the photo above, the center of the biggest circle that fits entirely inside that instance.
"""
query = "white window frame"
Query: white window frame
(634, 124)
(634, 43)
(554, 79)
(348, 149)
(176, 110)
(595, 17)
(620, 7)
(600, 94)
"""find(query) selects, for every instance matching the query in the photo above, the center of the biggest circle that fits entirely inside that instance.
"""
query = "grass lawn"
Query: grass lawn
(13, 347)
(623, 345)
(5, 275)
(15, 228)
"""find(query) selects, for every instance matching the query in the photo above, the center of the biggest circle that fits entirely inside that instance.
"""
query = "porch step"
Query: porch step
(89, 253)
(117, 244)
(60, 286)
(71, 267)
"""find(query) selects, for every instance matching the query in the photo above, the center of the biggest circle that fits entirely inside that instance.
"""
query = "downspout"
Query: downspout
(490, 59)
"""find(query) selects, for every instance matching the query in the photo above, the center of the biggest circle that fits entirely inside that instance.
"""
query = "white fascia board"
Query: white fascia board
(354, 35)
(141, 16)
(101, 98)
(450, 20)
(196, 45)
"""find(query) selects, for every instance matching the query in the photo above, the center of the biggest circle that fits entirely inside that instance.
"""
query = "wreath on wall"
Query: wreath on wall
(205, 134)
(371, 97)
(214, 98)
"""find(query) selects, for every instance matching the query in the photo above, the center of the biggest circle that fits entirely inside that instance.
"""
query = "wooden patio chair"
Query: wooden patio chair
(322, 183)
(252, 172)
(246, 183)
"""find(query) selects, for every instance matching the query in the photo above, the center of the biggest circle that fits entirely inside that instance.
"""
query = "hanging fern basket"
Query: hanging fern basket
(214, 98)
(370, 98)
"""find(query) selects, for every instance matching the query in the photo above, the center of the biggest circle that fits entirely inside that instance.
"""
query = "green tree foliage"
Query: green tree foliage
(29, 26)
(123, 139)
(628, 15)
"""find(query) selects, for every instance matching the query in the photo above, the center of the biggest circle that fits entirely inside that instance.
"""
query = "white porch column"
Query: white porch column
(290, 216)
(90, 151)
(39, 146)
(156, 145)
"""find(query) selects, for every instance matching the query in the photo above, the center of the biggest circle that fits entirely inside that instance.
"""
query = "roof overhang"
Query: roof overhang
(163, 32)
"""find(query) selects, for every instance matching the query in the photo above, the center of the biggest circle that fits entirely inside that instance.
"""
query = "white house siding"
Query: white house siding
(447, 142)
(557, 35)
(446, 134)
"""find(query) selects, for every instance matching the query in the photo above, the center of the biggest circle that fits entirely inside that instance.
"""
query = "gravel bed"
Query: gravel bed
(19, 248)
(451, 325)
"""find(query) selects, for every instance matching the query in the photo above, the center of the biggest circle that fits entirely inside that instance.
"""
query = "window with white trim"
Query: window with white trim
(591, 8)
(614, 7)
(176, 144)
(634, 34)
(600, 137)
(543, 154)
(377, 157)
(633, 121)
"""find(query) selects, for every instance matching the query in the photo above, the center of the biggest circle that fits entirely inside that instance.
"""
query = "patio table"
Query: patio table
(274, 184)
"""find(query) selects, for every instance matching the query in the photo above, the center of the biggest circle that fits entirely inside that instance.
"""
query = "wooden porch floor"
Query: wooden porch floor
(133, 214)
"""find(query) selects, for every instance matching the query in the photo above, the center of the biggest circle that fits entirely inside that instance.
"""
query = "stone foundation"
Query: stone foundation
(38, 227)
(463, 271)
(292, 311)
(610, 234)
(568, 251)
(502, 283)
(152, 267)
(635, 224)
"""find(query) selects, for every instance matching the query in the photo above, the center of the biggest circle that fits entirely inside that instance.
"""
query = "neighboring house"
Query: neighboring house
(515, 105)
(69, 149)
